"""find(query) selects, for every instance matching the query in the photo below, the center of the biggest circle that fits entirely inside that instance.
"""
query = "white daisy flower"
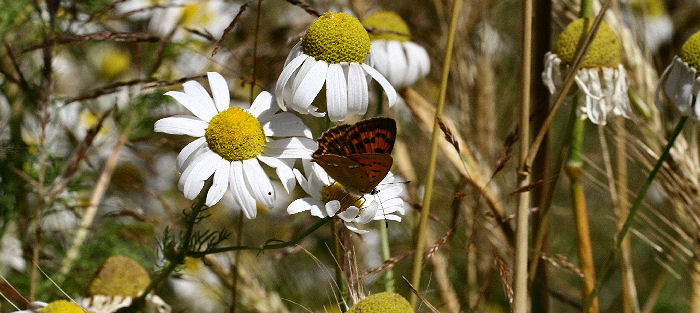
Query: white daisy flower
(232, 141)
(392, 52)
(331, 53)
(681, 82)
(328, 199)
(602, 80)
(652, 19)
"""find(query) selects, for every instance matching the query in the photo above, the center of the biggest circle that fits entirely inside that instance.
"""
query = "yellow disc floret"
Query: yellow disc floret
(235, 135)
(650, 7)
(335, 192)
(62, 306)
(387, 25)
(690, 52)
(119, 276)
(335, 38)
(605, 50)
(384, 302)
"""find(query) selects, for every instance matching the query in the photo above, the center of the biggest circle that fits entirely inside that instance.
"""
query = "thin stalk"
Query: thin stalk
(520, 296)
(386, 255)
(255, 53)
(607, 267)
(236, 260)
(338, 254)
(435, 140)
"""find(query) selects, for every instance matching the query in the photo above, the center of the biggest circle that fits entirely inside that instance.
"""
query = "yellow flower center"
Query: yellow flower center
(62, 306)
(605, 50)
(387, 25)
(119, 276)
(335, 192)
(650, 7)
(690, 52)
(114, 63)
(335, 38)
(386, 302)
(235, 135)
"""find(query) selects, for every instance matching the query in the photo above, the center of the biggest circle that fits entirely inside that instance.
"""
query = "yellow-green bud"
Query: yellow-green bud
(605, 50)
(384, 302)
(387, 25)
(335, 38)
(690, 52)
(62, 306)
(119, 276)
(650, 7)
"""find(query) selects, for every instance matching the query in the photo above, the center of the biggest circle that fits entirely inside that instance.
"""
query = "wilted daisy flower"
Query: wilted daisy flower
(654, 20)
(392, 52)
(328, 199)
(331, 53)
(602, 80)
(231, 143)
(681, 81)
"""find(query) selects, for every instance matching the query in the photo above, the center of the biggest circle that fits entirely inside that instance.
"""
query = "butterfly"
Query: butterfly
(358, 156)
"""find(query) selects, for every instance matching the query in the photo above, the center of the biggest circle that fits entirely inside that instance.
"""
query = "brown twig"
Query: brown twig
(230, 27)
(101, 36)
(306, 7)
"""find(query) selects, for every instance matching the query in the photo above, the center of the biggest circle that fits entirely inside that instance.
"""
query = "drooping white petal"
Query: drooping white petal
(306, 204)
(220, 183)
(197, 91)
(310, 85)
(413, 67)
(192, 104)
(332, 207)
(417, 56)
(188, 150)
(354, 229)
(258, 183)
(388, 89)
(240, 190)
(262, 107)
(304, 183)
(367, 214)
(296, 50)
(286, 124)
(219, 89)
(397, 63)
(283, 170)
(291, 148)
(336, 93)
(379, 56)
(301, 73)
(181, 125)
(358, 94)
(192, 180)
(286, 74)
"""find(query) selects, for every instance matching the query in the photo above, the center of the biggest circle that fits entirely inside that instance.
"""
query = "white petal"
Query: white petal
(303, 182)
(367, 214)
(397, 63)
(336, 93)
(287, 72)
(332, 207)
(300, 205)
(197, 91)
(291, 148)
(296, 50)
(181, 125)
(301, 73)
(388, 89)
(358, 94)
(380, 58)
(192, 104)
(349, 214)
(286, 124)
(240, 191)
(258, 183)
(219, 89)
(310, 85)
(262, 106)
(284, 171)
(352, 227)
(219, 184)
(188, 150)
(417, 56)
(199, 172)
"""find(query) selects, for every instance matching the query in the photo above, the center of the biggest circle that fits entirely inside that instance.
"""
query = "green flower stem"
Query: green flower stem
(386, 255)
(607, 267)
(435, 140)
(338, 254)
(266, 245)
(586, 9)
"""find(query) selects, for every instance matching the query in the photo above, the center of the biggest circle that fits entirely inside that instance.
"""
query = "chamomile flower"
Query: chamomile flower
(328, 199)
(58, 306)
(655, 22)
(602, 80)
(681, 81)
(331, 53)
(387, 302)
(392, 52)
(232, 141)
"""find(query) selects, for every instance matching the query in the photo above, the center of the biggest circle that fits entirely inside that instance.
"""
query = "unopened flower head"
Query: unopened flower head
(393, 53)
(681, 81)
(329, 199)
(231, 143)
(331, 53)
(602, 80)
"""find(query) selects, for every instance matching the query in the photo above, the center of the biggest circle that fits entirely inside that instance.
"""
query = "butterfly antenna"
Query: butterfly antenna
(374, 192)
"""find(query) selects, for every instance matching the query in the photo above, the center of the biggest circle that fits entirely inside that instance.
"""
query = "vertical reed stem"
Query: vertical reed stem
(338, 254)
(386, 255)
(520, 302)
(435, 140)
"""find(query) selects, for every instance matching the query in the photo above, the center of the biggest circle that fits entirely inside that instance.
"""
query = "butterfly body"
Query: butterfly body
(358, 156)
